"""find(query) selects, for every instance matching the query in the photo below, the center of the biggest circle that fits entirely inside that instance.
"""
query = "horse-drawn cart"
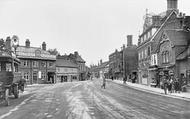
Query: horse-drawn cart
(10, 78)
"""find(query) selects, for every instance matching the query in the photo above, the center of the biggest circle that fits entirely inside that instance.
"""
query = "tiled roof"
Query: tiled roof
(60, 62)
(177, 37)
(34, 53)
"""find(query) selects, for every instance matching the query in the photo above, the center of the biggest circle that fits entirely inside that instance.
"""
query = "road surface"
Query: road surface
(87, 100)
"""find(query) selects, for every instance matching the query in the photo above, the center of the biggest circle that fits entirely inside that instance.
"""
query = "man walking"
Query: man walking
(104, 82)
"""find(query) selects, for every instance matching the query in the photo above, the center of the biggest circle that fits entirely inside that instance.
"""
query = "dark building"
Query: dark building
(37, 65)
(124, 63)
(130, 65)
(66, 69)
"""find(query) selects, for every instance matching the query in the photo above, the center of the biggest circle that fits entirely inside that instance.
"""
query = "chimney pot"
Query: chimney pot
(27, 43)
(129, 40)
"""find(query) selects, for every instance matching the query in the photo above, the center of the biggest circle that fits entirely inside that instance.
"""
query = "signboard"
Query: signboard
(39, 74)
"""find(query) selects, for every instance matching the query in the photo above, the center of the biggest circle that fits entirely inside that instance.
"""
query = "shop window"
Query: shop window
(8, 67)
(43, 64)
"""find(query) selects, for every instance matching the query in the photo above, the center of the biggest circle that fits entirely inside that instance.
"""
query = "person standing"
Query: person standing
(103, 82)
(165, 84)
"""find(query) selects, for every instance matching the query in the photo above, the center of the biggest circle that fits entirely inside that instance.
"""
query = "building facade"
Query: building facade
(66, 69)
(130, 55)
(37, 65)
(165, 37)
(115, 64)
(80, 63)
(101, 70)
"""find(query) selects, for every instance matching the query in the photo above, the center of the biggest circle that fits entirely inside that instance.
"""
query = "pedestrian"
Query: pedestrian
(103, 83)
(124, 80)
(170, 83)
(165, 84)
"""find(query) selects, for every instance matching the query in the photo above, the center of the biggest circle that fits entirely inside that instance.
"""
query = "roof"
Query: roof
(34, 53)
(60, 62)
(177, 37)
(79, 59)
(183, 55)
(165, 19)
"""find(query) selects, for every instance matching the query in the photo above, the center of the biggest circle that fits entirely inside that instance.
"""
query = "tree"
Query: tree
(53, 51)
(2, 44)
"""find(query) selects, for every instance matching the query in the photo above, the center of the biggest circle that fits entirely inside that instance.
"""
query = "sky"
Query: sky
(94, 28)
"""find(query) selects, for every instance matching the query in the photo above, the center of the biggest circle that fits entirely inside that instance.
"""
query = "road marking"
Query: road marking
(15, 109)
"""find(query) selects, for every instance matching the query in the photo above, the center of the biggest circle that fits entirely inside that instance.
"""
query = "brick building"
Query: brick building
(124, 63)
(115, 64)
(130, 65)
(37, 65)
(162, 44)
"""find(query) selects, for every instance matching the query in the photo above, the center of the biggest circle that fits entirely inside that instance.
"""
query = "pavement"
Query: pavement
(159, 91)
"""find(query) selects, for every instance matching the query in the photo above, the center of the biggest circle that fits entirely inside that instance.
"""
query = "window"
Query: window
(8, 67)
(148, 52)
(43, 64)
(26, 75)
(145, 53)
(25, 63)
(165, 57)
(35, 63)
(50, 64)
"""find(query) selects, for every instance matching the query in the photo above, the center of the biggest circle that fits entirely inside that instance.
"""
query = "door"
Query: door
(35, 77)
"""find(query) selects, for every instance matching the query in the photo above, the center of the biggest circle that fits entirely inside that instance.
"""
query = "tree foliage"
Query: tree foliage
(53, 51)
(2, 44)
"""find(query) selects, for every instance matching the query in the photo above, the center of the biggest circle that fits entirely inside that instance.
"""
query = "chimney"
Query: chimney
(76, 53)
(44, 46)
(8, 43)
(172, 5)
(27, 43)
(100, 61)
(129, 40)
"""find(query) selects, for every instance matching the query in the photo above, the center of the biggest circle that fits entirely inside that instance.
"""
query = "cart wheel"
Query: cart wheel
(6, 97)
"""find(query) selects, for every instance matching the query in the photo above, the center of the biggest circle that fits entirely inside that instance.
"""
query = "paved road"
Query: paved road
(86, 100)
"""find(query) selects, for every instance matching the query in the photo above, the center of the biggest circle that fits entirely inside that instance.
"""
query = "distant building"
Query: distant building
(100, 70)
(80, 63)
(66, 69)
(130, 54)
(37, 65)
(125, 62)
(115, 64)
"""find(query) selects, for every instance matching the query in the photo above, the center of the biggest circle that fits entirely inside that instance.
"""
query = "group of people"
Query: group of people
(172, 85)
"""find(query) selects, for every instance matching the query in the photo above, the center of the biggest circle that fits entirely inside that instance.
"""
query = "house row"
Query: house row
(37, 65)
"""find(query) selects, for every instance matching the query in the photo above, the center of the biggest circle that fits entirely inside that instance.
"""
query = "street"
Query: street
(87, 100)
